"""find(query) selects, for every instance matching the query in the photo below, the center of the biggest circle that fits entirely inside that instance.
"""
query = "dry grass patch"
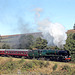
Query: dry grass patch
(39, 66)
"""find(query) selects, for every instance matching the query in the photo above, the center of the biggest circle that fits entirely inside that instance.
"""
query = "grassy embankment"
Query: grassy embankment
(20, 66)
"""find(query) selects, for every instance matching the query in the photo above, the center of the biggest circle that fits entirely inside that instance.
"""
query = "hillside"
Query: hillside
(14, 39)
(71, 31)
(36, 34)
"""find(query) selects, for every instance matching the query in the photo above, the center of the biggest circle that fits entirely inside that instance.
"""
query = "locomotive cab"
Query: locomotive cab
(66, 55)
(68, 58)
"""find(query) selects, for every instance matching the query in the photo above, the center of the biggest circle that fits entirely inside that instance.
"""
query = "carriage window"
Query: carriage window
(21, 52)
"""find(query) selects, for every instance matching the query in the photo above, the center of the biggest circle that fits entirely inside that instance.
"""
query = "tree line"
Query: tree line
(70, 45)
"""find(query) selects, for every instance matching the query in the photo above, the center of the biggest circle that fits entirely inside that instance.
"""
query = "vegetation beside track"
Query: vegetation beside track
(21, 66)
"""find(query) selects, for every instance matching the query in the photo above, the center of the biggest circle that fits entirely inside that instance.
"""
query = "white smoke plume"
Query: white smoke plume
(37, 13)
(38, 10)
(54, 33)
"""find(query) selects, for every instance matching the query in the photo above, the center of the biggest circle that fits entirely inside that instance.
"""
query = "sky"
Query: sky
(21, 16)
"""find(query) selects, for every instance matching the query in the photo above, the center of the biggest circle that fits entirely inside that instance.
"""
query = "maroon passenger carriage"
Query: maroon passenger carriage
(2, 52)
(14, 52)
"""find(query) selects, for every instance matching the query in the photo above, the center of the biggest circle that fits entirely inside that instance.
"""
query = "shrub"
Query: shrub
(73, 72)
(22, 60)
(5, 46)
(46, 64)
(59, 73)
(10, 59)
(0, 67)
(10, 65)
(55, 67)
(41, 63)
(28, 65)
(67, 68)
(35, 62)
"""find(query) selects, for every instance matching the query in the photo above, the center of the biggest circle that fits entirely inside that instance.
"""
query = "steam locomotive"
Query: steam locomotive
(59, 55)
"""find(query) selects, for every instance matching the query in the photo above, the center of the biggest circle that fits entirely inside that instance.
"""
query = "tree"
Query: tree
(40, 43)
(5, 46)
(0, 38)
(70, 45)
(25, 41)
(74, 27)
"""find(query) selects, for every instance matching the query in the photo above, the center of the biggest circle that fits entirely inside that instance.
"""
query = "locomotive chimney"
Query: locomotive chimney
(74, 27)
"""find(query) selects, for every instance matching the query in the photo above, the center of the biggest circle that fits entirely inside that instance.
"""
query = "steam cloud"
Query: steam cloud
(24, 27)
(54, 33)
(37, 13)
(38, 10)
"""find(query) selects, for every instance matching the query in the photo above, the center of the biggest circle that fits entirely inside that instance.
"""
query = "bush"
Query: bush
(59, 73)
(36, 62)
(0, 67)
(5, 46)
(55, 67)
(67, 68)
(46, 64)
(41, 63)
(22, 60)
(73, 72)
(10, 66)
(28, 65)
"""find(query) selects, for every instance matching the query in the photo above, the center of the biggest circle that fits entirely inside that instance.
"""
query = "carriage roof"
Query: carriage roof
(2, 49)
(14, 50)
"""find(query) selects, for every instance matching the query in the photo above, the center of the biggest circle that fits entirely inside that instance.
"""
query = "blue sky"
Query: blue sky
(18, 15)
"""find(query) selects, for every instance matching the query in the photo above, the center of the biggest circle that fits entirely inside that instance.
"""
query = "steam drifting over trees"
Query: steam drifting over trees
(25, 41)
